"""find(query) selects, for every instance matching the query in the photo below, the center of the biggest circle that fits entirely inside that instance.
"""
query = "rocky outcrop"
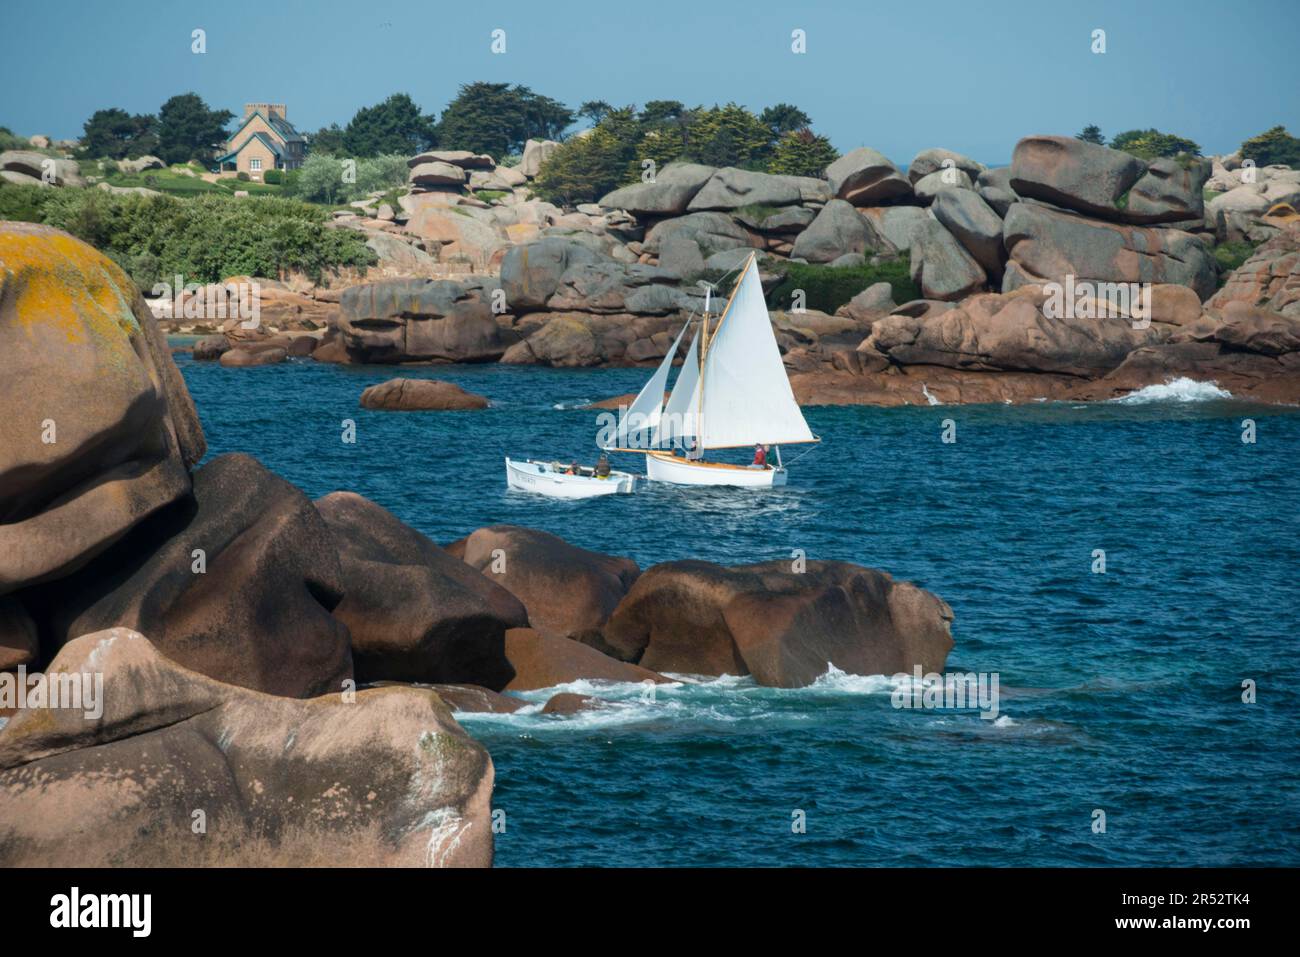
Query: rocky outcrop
(942, 267)
(419, 395)
(98, 430)
(569, 592)
(1068, 172)
(180, 770)
(864, 177)
(536, 153)
(415, 612)
(668, 194)
(936, 160)
(730, 188)
(1008, 333)
(838, 229)
(974, 224)
(1269, 278)
(420, 320)
(1045, 244)
(780, 625)
(41, 167)
(531, 272)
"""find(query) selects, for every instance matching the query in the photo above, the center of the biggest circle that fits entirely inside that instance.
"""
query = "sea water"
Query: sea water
(1121, 691)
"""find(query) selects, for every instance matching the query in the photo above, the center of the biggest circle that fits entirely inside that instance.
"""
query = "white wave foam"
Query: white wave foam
(928, 397)
(1181, 389)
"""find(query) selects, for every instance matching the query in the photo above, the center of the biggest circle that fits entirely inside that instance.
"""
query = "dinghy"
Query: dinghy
(732, 392)
(556, 480)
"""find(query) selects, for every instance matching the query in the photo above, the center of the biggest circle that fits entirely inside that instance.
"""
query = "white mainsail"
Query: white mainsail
(643, 414)
(744, 392)
(678, 420)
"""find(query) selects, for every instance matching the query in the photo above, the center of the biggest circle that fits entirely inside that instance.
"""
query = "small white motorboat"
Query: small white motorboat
(559, 481)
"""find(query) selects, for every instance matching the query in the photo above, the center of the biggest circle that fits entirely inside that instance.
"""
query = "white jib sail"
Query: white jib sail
(642, 416)
(678, 419)
(746, 395)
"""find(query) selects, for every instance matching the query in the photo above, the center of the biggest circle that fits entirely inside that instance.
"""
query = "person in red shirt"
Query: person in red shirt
(760, 457)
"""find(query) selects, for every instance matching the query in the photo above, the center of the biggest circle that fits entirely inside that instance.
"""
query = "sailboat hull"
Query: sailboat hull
(664, 467)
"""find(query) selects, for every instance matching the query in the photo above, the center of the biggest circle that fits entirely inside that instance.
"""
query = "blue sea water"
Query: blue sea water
(1120, 692)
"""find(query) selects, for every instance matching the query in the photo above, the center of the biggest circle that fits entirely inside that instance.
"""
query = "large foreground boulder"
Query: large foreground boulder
(783, 626)
(731, 188)
(415, 612)
(180, 770)
(97, 429)
(237, 582)
(569, 592)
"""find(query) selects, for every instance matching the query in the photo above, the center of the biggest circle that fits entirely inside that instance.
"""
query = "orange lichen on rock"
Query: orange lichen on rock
(56, 278)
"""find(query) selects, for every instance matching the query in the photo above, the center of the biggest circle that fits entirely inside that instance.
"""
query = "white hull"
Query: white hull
(542, 478)
(663, 467)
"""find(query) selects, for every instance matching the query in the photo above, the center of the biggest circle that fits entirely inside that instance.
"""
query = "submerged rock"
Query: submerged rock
(414, 395)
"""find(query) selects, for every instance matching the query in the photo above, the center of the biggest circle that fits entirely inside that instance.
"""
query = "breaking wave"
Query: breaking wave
(1181, 389)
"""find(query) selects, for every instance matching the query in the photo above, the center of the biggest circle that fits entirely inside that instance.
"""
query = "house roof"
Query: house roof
(282, 127)
(270, 144)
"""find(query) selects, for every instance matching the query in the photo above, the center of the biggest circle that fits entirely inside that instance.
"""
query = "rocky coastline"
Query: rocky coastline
(264, 679)
(519, 281)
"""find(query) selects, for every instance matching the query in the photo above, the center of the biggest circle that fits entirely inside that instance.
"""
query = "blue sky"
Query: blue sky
(970, 76)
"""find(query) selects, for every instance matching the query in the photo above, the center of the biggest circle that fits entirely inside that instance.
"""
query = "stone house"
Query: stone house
(264, 140)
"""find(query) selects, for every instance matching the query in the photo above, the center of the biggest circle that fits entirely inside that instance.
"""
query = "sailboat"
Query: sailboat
(732, 392)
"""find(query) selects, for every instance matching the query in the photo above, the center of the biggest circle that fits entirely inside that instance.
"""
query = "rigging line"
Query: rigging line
(811, 448)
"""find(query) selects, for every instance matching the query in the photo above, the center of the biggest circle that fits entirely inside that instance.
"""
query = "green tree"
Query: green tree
(728, 136)
(116, 134)
(784, 118)
(595, 110)
(1271, 147)
(394, 126)
(587, 167)
(1152, 144)
(188, 130)
(321, 179)
(802, 153)
(1091, 134)
(327, 139)
(497, 118)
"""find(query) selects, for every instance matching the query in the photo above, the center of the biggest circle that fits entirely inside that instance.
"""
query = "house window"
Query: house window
(255, 165)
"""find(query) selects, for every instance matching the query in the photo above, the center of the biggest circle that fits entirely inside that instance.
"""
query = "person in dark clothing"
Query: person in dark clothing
(602, 466)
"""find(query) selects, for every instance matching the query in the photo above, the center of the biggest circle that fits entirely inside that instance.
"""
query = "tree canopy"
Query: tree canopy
(1152, 144)
(614, 152)
(116, 134)
(394, 126)
(188, 130)
(1091, 134)
(1273, 146)
(497, 119)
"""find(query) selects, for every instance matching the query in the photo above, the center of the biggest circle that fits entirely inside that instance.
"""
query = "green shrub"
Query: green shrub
(826, 288)
(1152, 144)
(23, 203)
(242, 176)
(487, 195)
(204, 239)
(273, 177)
(1231, 255)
